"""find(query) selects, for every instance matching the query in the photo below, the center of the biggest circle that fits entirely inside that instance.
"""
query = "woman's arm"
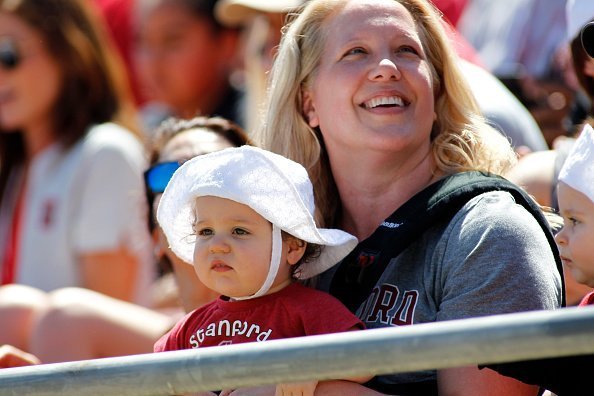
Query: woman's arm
(113, 273)
(474, 382)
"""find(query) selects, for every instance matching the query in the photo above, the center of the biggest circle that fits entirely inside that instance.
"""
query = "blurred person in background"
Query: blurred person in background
(185, 61)
(521, 43)
(78, 324)
(117, 15)
(71, 194)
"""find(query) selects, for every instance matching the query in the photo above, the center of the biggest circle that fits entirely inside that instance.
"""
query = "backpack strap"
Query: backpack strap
(439, 202)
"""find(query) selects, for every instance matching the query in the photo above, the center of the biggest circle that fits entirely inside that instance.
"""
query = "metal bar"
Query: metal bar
(491, 339)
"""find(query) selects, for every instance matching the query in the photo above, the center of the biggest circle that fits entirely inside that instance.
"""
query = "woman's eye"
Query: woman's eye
(355, 51)
(573, 221)
(407, 49)
(240, 231)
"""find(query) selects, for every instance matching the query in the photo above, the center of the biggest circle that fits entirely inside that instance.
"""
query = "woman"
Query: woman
(366, 94)
(71, 163)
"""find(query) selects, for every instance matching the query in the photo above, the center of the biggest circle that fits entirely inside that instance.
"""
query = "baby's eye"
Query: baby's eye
(240, 231)
(573, 221)
(205, 232)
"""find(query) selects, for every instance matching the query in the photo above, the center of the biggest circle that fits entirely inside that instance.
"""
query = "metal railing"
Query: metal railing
(493, 339)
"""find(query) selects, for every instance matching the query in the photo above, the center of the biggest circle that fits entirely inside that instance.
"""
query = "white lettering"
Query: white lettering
(227, 326)
(253, 327)
(237, 330)
(391, 225)
(264, 336)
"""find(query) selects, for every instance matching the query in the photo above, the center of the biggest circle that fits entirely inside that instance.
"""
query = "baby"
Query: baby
(244, 218)
(576, 206)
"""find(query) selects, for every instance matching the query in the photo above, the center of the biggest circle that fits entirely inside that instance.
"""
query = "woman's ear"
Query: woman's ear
(309, 110)
(295, 250)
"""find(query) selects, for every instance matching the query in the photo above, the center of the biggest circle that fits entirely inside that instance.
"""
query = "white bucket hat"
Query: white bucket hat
(578, 169)
(578, 13)
(275, 187)
(236, 12)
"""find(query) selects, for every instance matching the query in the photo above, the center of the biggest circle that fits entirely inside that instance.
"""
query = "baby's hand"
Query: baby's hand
(296, 389)
(14, 357)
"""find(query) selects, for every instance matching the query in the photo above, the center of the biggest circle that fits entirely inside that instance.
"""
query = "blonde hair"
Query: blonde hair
(461, 138)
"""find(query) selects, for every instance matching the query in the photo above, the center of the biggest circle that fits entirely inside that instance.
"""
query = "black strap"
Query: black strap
(355, 278)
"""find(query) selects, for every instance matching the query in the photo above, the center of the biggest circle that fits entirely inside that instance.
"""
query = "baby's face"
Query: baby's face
(576, 237)
(233, 248)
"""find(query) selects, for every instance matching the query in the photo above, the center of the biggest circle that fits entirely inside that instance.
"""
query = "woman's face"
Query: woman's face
(373, 88)
(180, 59)
(28, 90)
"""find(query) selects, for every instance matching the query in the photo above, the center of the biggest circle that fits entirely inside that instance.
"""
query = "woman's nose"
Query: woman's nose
(385, 70)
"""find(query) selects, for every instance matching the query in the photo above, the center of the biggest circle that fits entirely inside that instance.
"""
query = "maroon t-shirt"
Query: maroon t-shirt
(588, 299)
(293, 311)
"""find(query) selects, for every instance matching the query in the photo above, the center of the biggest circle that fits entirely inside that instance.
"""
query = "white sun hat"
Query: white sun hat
(236, 12)
(578, 169)
(275, 187)
(578, 13)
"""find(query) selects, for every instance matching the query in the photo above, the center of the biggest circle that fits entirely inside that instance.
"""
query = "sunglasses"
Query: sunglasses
(9, 56)
(588, 38)
(158, 175)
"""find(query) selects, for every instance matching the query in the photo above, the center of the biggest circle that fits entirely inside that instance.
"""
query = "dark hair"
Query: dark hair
(312, 252)
(172, 126)
(94, 85)
(198, 8)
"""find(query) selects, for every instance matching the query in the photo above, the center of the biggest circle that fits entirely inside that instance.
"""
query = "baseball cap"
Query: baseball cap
(237, 12)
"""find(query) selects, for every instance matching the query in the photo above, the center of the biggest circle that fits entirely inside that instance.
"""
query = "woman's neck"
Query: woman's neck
(370, 191)
(37, 139)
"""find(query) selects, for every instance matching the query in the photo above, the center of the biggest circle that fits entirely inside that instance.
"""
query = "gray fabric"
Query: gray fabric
(491, 258)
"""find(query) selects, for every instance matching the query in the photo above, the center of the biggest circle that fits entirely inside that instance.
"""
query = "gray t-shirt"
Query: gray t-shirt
(491, 258)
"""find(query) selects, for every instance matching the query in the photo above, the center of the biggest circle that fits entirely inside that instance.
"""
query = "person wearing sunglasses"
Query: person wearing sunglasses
(71, 163)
